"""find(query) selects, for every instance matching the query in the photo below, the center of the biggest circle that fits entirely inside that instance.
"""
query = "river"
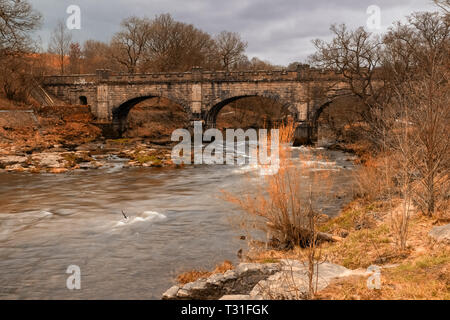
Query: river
(177, 221)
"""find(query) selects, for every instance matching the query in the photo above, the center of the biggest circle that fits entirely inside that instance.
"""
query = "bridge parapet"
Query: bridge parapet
(196, 75)
(70, 79)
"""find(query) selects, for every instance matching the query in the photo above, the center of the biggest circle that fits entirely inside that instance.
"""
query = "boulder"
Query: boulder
(171, 294)
(287, 279)
(48, 159)
(12, 160)
(441, 234)
(292, 281)
(238, 281)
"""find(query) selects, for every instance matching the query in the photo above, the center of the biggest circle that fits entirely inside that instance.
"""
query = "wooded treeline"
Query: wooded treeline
(161, 44)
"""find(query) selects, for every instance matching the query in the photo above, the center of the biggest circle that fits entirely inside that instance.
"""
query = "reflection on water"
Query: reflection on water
(175, 221)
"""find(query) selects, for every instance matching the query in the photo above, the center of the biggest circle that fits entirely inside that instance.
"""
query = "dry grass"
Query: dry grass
(6, 104)
(260, 255)
(419, 272)
(286, 132)
(425, 277)
(194, 275)
(375, 241)
(353, 216)
(375, 178)
(363, 248)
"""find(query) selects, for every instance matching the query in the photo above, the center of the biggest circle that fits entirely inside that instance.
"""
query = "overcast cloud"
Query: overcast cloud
(278, 31)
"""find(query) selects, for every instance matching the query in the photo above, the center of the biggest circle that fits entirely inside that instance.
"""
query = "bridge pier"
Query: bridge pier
(304, 134)
(109, 129)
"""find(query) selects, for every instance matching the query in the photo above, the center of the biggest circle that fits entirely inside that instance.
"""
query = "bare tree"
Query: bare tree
(17, 20)
(60, 44)
(443, 4)
(177, 46)
(230, 48)
(418, 62)
(16, 77)
(357, 56)
(128, 46)
(402, 79)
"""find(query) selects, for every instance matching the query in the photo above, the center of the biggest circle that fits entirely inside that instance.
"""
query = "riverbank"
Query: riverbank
(422, 271)
(65, 138)
(365, 243)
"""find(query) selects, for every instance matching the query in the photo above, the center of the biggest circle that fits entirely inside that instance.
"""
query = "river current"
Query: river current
(177, 220)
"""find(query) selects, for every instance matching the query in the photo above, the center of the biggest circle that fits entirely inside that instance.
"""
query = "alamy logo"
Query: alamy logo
(73, 22)
(73, 282)
(374, 20)
(374, 281)
(240, 147)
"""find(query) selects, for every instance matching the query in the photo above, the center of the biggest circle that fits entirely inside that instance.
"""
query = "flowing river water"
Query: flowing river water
(177, 221)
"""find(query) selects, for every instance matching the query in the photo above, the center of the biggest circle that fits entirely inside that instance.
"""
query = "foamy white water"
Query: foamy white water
(145, 216)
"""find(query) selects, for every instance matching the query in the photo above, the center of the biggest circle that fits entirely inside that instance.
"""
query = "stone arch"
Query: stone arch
(317, 110)
(212, 112)
(120, 112)
(313, 120)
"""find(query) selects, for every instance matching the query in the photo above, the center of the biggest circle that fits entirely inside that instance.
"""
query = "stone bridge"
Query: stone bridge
(202, 94)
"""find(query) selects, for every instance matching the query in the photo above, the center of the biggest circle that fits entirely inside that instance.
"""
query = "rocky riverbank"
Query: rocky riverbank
(287, 279)
(93, 155)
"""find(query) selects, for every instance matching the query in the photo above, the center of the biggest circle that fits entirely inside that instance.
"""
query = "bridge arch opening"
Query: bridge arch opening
(152, 117)
(249, 111)
(83, 100)
(336, 120)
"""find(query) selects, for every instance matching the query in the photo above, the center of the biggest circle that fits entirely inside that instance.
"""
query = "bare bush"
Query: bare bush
(285, 205)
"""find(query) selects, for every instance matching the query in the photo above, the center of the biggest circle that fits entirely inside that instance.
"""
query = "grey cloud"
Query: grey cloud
(277, 31)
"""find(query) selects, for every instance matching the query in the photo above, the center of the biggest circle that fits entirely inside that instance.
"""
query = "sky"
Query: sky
(278, 31)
